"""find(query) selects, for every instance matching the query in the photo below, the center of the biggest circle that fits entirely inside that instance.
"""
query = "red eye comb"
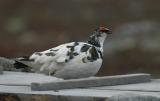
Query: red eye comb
(104, 29)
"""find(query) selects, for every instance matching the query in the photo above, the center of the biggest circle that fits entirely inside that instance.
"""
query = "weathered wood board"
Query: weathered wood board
(20, 84)
(92, 82)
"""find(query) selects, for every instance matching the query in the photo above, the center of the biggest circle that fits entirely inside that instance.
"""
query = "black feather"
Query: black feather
(22, 67)
(19, 65)
(94, 54)
(85, 48)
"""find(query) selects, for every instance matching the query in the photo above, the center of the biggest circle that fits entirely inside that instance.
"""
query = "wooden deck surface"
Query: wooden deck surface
(145, 90)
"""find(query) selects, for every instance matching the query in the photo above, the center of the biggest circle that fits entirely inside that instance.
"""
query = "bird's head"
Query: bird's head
(98, 36)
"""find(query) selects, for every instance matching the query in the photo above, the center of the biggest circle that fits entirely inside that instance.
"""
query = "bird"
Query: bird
(70, 60)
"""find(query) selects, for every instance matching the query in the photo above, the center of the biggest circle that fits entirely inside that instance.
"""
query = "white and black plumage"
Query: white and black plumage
(70, 60)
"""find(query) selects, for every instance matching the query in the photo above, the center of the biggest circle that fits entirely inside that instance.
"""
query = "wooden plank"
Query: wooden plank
(74, 92)
(141, 87)
(92, 82)
(22, 78)
(126, 92)
(88, 94)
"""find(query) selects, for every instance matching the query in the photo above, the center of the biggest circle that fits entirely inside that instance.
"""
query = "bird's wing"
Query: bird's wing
(57, 54)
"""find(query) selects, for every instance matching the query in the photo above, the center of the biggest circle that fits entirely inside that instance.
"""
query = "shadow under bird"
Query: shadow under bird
(69, 60)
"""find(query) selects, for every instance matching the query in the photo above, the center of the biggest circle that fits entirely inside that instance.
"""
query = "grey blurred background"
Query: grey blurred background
(36, 25)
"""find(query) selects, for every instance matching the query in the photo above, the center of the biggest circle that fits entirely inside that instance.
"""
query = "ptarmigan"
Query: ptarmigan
(71, 60)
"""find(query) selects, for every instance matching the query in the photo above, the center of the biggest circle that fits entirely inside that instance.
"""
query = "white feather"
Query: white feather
(69, 60)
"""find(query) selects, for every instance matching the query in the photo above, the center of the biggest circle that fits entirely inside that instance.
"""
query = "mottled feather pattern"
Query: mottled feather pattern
(70, 60)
